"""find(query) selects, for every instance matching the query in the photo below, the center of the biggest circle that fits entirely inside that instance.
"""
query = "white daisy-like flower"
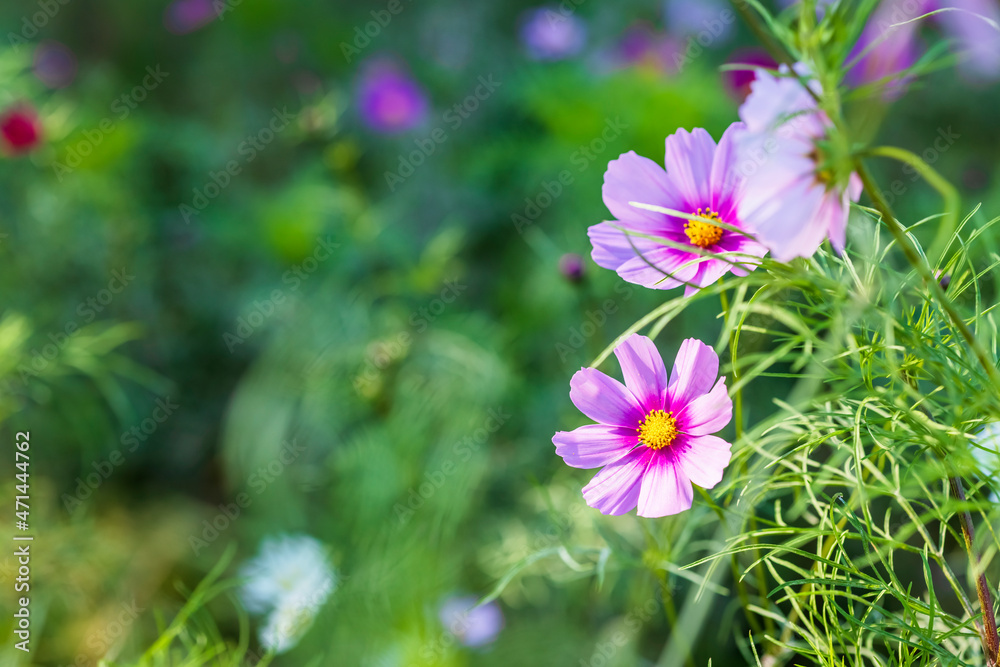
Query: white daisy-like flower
(290, 579)
(287, 623)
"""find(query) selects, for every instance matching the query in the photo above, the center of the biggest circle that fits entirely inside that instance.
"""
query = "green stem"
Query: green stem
(670, 611)
(773, 46)
(920, 266)
(738, 418)
(990, 638)
(948, 192)
(738, 397)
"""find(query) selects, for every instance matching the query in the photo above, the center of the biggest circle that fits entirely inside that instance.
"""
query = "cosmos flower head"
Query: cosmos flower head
(653, 437)
(700, 180)
(472, 624)
(549, 33)
(289, 580)
(389, 99)
(793, 200)
(20, 129)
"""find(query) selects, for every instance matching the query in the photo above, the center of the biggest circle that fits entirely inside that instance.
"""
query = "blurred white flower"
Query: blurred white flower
(287, 624)
(289, 579)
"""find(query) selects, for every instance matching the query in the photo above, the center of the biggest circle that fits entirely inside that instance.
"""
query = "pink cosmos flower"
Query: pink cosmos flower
(701, 179)
(653, 437)
(791, 202)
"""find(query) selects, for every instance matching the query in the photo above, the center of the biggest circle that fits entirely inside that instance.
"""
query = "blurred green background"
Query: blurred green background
(217, 251)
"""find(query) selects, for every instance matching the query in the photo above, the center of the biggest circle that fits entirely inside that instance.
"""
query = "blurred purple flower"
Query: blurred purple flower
(738, 80)
(184, 16)
(389, 100)
(891, 34)
(820, 5)
(571, 266)
(887, 46)
(692, 17)
(54, 64)
(641, 45)
(975, 29)
(472, 625)
(550, 34)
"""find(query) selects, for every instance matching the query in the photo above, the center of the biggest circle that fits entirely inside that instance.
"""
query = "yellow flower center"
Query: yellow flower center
(658, 429)
(703, 234)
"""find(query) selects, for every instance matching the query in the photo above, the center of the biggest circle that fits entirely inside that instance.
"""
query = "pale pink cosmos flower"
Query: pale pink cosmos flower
(701, 180)
(654, 435)
(791, 202)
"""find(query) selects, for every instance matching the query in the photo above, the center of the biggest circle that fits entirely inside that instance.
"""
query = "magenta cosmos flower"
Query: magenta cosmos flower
(791, 201)
(20, 129)
(653, 436)
(701, 179)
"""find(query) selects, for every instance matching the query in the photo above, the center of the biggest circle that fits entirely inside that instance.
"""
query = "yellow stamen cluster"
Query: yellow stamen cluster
(658, 429)
(703, 234)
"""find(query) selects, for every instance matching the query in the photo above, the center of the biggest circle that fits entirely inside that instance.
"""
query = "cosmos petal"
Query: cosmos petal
(665, 488)
(696, 368)
(645, 374)
(708, 413)
(615, 489)
(594, 445)
(604, 399)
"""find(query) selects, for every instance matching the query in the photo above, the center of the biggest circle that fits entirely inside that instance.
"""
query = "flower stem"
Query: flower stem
(738, 398)
(773, 46)
(738, 419)
(988, 632)
(991, 640)
(920, 266)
